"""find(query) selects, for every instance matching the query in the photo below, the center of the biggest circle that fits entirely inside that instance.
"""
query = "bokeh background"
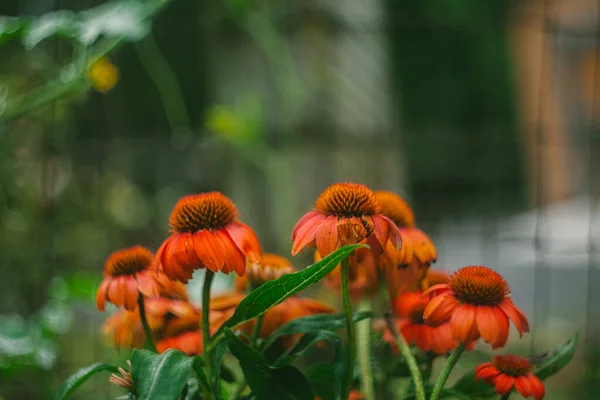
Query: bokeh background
(483, 114)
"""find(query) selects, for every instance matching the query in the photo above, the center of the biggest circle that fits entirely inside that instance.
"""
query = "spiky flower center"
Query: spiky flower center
(196, 212)
(347, 200)
(128, 261)
(478, 285)
(416, 313)
(395, 208)
(512, 365)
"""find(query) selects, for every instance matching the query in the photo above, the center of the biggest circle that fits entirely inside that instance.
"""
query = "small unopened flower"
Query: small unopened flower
(123, 379)
(345, 213)
(206, 234)
(508, 372)
(270, 267)
(477, 303)
(103, 74)
(417, 249)
(409, 308)
(126, 276)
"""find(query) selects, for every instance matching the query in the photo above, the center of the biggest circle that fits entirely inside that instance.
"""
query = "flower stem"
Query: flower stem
(256, 331)
(149, 340)
(450, 363)
(401, 343)
(208, 277)
(363, 333)
(349, 325)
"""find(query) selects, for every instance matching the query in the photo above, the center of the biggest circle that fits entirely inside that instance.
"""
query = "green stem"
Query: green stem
(450, 363)
(349, 325)
(363, 334)
(256, 331)
(149, 341)
(401, 343)
(208, 277)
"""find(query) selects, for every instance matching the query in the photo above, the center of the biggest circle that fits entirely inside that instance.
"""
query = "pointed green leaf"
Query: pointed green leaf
(268, 383)
(311, 323)
(160, 376)
(274, 292)
(561, 356)
(80, 376)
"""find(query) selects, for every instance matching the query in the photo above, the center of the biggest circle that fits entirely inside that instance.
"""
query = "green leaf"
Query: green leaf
(217, 358)
(197, 368)
(160, 376)
(80, 376)
(56, 23)
(274, 292)
(268, 383)
(312, 323)
(320, 377)
(124, 19)
(560, 357)
(13, 27)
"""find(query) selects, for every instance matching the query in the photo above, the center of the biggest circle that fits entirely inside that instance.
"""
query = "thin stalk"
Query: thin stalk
(208, 277)
(349, 325)
(401, 343)
(256, 331)
(450, 363)
(149, 341)
(363, 334)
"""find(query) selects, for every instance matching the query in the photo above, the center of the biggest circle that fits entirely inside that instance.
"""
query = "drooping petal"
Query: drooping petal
(209, 250)
(305, 234)
(439, 288)
(234, 259)
(327, 236)
(523, 386)
(537, 387)
(171, 266)
(486, 373)
(487, 324)
(463, 325)
(116, 291)
(440, 309)
(382, 230)
(504, 384)
(245, 239)
(131, 293)
(503, 329)
(184, 251)
(302, 221)
(101, 294)
(515, 315)
(147, 285)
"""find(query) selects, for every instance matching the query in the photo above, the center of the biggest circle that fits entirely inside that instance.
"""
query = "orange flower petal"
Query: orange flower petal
(487, 324)
(131, 293)
(515, 315)
(441, 287)
(486, 373)
(305, 234)
(504, 384)
(440, 309)
(503, 329)
(537, 387)
(463, 325)
(209, 250)
(245, 239)
(116, 291)
(523, 386)
(101, 295)
(327, 236)
(382, 230)
(234, 259)
(147, 285)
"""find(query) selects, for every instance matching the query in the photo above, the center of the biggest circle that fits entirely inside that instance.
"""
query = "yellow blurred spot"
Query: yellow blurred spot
(222, 121)
(104, 75)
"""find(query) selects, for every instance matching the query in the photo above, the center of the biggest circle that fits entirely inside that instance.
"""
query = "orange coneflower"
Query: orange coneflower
(124, 329)
(182, 333)
(417, 249)
(409, 308)
(506, 372)
(126, 275)
(345, 213)
(476, 302)
(270, 267)
(206, 234)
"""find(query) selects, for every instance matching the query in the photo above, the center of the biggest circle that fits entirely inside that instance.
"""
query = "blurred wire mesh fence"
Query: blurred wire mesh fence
(483, 114)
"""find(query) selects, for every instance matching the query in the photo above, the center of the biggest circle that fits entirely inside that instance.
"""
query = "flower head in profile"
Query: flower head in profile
(126, 276)
(103, 74)
(417, 249)
(477, 303)
(409, 308)
(507, 372)
(345, 213)
(181, 333)
(206, 234)
(270, 267)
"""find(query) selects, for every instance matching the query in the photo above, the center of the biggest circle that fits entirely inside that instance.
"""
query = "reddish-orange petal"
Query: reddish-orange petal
(302, 221)
(463, 325)
(515, 315)
(487, 373)
(131, 293)
(147, 285)
(487, 324)
(116, 291)
(503, 329)
(101, 294)
(305, 234)
(382, 230)
(537, 387)
(523, 386)
(245, 239)
(234, 259)
(503, 384)
(209, 250)
(171, 265)
(327, 236)
(440, 309)
(440, 288)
